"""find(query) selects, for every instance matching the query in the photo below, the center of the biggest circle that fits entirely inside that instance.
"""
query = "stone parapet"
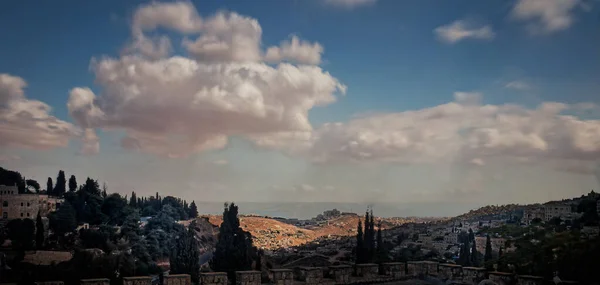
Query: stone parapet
(395, 270)
(249, 277)
(50, 283)
(413, 269)
(366, 270)
(430, 268)
(340, 273)
(501, 278)
(473, 275)
(99, 281)
(282, 276)
(213, 278)
(530, 280)
(449, 272)
(310, 275)
(139, 280)
(177, 279)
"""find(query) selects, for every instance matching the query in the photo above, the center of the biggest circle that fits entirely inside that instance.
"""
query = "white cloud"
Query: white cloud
(178, 16)
(178, 106)
(9, 157)
(518, 85)
(349, 4)
(461, 30)
(546, 16)
(456, 132)
(227, 37)
(477, 161)
(295, 50)
(26, 123)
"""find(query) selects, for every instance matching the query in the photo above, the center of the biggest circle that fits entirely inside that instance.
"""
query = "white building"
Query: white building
(556, 211)
(22, 206)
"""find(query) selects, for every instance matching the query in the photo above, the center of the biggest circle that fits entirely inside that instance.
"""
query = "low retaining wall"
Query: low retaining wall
(282, 276)
(142, 280)
(177, 279)
(247, 277)
(395, 270)
(340, 273)
(100, 281)
(213, 278)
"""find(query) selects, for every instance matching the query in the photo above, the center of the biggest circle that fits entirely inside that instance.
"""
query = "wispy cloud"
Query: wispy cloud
(518, 85)
(546, 16)
(461, 30)
(350, 4)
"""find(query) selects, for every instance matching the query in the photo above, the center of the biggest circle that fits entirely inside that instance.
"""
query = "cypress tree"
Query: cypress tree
(371, 237)
(193, 210)
(359, 243)
(133, 200)
(72, 184)
(474, 255)
(381, 256)
(49, 187)
(488, 249)
(184, 258)
(61, 184)
(39, 232)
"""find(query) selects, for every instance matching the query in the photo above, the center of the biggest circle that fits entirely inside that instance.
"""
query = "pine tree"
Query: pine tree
(49, 187)
(72, 184)
(193, 210)
(61, 184)
(39, 232)
(488, 249)
(184, 259)
(360, 247)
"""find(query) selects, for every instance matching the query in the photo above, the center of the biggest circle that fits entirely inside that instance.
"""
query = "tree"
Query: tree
(474, 254)
(371, 244)
(464, 258)
(133, 200)
(49, 187)
(381, 254)
(234, 250)
(360, 248)
(72, 184)
(39, 231)
(33, 184)
(21, 233)
(61, 184)
(10, 178)
(488, 249)
(63, 221)
(500, 253)
(184, 258)
(193, 210)
(115, 208)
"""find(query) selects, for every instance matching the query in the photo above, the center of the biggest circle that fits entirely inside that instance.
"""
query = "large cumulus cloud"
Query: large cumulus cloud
(27, 123)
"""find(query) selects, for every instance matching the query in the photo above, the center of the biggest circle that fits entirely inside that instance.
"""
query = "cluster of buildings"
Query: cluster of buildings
(549, 211)
(15, 205)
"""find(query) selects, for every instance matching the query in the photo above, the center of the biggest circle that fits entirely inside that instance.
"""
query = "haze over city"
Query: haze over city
(466, 104)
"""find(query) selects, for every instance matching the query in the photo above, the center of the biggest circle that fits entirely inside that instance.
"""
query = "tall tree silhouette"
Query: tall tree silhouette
(184, 258)
(488, 249)
(193, 210)
(49, 186)
(133, 200)
(39, 231)
(234, 249)
(61, 184)
(360, 244)
(72, 184)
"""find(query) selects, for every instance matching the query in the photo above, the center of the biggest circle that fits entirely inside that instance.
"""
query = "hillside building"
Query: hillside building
(21, 206)
(562, 211)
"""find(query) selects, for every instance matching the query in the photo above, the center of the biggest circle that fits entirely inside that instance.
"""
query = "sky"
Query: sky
(348, 101)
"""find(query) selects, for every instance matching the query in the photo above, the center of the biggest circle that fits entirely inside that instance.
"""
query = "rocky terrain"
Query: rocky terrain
(271, 234)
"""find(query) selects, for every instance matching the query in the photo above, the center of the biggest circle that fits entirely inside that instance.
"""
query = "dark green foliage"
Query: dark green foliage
(474, 254)
(133, 200)
(488, 249)
(72, 184)
(21, 233)
(234, 250)
(115, 208)
(39, 232)
(61, 184)
(10, 178)
(185, 256)
(500, 253)
(33, 184)
(49, 187)
(64, 220)
(381, 254)
(464, 257)
(366, 250)
(193, 210)
(360, 248)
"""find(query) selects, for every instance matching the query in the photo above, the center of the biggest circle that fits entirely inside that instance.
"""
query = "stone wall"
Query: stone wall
(449, 272)
(430, 268)
(366, 270)
(282, 276)
(50, 283)
(177, 279)
(501, 278)
(100, 281)
(340, 273)
(473, 275)
(247, 277)
(395, 270)
(140, 280)
(213, 278)
(310, 275)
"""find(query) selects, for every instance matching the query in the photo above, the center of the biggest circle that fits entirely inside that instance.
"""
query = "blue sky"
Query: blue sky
(399, 62)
